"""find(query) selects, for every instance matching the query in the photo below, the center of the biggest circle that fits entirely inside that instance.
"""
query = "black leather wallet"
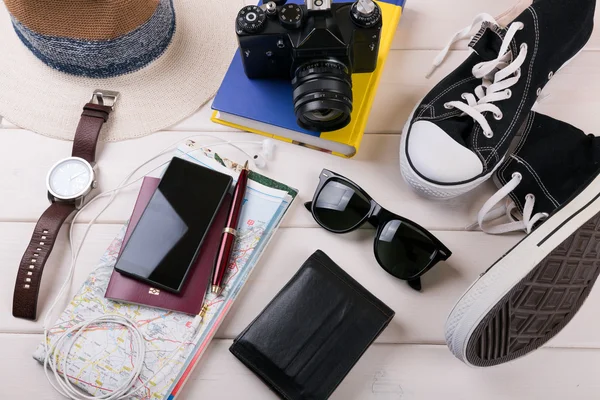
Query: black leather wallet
(311, 334)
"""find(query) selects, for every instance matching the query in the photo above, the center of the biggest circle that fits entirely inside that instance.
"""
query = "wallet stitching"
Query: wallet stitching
(383, 312)
(259, 372)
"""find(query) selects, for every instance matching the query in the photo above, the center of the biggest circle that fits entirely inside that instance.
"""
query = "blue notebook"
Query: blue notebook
(265, 106)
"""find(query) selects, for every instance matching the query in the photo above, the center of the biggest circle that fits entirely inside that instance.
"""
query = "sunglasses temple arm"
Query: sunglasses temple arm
(415, 284)
(443, 252)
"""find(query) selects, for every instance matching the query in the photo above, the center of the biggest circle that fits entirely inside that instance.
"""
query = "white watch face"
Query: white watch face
(70, 178)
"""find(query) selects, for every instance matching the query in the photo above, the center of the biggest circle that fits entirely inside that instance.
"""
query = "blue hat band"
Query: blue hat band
(104, 58)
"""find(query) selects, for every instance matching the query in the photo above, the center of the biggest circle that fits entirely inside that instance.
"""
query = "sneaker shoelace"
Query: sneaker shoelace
(489, 212)
(497, 75)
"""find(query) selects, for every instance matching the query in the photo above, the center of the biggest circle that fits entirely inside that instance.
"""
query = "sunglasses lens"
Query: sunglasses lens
(404, 250)
(339, 206)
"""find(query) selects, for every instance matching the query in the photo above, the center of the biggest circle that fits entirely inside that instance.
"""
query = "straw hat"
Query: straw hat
(165, 57)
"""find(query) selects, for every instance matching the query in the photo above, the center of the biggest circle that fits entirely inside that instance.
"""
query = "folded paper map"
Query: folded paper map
(102, 358)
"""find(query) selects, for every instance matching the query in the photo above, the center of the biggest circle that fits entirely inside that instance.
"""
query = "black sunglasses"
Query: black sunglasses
(403, 248)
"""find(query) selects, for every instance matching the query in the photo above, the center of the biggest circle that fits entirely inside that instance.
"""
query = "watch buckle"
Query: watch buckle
(104, 97)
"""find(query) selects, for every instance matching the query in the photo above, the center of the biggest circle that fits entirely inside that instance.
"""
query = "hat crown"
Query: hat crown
(82, 19)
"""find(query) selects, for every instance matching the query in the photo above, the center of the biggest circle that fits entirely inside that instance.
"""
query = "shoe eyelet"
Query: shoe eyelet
(463, 96)
(517, 175)
(488, 135)
(539, 91)
(447, 106)
(550, 75)
(508, 93)
(521, 26)
(530, 197)
(498, 117)
(524, 46)
(545, 215)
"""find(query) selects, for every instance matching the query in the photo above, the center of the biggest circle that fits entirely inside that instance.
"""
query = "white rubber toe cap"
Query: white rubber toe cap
(438, 157)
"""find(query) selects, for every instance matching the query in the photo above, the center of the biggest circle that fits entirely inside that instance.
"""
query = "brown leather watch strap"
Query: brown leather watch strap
(88, 130)
(29, 277)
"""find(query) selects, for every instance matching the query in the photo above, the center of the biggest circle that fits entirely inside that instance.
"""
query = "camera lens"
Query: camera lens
(322, 95)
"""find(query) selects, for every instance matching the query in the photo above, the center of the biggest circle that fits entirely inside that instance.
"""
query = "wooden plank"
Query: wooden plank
(420, 317)
(25, 171)
(15, 239)
(388, 370)
(430, 24)
(200, 121)
(425, 25)
(423, 372)
(376, 168)
(384, 372)
(403, 84)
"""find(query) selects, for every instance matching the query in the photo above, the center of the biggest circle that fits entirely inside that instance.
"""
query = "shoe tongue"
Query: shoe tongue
(556, 161)
(488, 40)
(486, 43)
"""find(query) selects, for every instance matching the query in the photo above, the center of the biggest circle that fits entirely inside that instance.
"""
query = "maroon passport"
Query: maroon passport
(191, 297)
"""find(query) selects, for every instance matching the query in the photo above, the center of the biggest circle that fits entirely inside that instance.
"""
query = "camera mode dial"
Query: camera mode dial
(291, 16)
(251, 19)
(365, 17)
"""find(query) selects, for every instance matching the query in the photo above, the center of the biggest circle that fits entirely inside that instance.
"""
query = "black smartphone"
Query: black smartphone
(165, 242)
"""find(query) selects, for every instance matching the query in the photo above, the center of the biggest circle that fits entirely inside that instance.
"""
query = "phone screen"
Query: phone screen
(166, 240)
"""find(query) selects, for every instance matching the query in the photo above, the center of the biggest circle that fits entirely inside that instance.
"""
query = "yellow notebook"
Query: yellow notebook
(265, 106)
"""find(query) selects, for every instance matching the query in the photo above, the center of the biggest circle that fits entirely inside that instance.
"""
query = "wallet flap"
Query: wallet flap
(267, 372)
(314, 331)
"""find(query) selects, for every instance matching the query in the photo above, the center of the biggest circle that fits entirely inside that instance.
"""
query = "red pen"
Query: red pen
(230, 233)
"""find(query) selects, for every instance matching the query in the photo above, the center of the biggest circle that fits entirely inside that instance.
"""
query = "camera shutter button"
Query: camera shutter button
(291, 16)
(271, 8)
(251, 19)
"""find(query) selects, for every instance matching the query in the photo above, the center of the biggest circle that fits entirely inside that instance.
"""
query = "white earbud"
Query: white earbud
(259, 161)
(268, 148)
(266, 153)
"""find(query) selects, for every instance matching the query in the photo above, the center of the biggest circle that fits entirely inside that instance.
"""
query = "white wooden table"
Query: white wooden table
(410, 359)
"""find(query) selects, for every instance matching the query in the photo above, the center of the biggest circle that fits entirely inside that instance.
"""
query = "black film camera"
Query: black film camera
(318, 45)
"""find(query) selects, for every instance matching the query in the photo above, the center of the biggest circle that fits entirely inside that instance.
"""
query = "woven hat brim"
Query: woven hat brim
(186, 76)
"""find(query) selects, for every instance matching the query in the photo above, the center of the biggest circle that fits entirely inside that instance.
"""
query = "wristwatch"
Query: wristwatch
(69, 182)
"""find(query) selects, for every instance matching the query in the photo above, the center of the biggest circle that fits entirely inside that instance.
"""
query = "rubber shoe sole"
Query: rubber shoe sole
(534, 290)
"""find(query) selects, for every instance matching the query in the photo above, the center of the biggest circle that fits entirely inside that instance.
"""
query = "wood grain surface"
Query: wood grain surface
(409, 360)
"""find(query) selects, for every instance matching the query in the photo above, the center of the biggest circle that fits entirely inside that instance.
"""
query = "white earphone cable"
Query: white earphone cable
(67, 339)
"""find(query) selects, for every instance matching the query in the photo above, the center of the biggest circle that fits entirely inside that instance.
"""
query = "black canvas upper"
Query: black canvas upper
(556, 161)
(554, 32)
